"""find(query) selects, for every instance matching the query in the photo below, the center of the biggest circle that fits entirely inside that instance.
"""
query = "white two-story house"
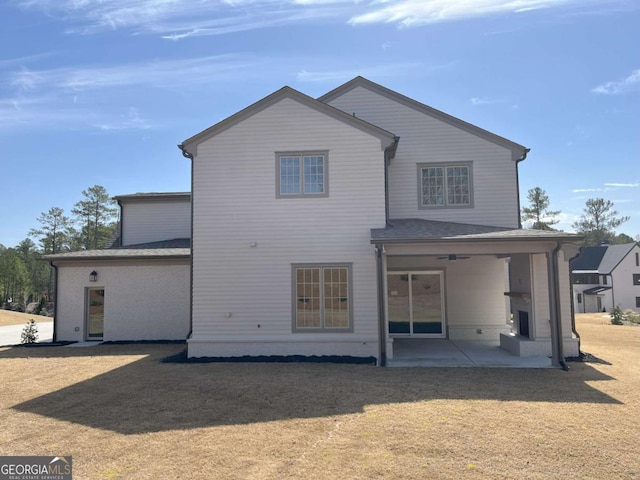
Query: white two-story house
(605, 277)
(344, 225)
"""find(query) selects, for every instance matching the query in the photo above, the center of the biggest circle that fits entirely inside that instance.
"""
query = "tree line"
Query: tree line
(24, 277)
(597, 224)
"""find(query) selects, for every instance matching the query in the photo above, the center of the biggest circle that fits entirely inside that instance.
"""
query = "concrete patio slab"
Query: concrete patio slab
(439, 352)
(83, 344)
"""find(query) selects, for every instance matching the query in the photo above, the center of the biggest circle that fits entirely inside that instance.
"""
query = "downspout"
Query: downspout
(55, 301)
(389, 153)
(518, 160)
(382, 340)
(557, 347)
(573, 308)
(613, 295)
(189, 155)
(120, 227)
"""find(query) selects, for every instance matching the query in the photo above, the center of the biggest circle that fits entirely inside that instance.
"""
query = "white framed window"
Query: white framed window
(302, 174)
(445, 185)
(322, 298)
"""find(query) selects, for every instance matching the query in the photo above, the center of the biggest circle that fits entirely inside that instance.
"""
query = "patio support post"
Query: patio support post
(557, 350)
(382, 334)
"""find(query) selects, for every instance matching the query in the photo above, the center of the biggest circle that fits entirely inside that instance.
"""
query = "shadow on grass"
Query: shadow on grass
(148, 395)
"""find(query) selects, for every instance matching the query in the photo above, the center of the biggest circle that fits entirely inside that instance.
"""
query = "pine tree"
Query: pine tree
(538, 210)
(30, 332)
(599, 221)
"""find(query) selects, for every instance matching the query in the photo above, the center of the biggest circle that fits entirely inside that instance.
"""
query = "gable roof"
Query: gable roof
(189, 145)
(427, 110)
(602, 259)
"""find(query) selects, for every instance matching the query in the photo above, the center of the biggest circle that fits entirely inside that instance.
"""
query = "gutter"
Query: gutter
(55, 301)
(557, 346)
(382, 334)
(521, 159)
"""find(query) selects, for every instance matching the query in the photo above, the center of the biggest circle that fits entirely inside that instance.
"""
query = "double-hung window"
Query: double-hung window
(322, 297)
(442, 185)
(301, 174)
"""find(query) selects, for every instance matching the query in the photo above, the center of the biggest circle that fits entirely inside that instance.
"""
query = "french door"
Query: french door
(415, 301)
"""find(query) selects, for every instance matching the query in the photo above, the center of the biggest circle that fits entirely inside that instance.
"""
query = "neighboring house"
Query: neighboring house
(606, 276)
(333, 226)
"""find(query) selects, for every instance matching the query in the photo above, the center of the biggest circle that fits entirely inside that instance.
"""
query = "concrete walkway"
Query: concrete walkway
(439, 352)
(10, 334)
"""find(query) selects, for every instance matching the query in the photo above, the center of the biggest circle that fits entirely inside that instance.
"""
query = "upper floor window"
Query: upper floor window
(301, 174)
(445, 185)
(636, 278)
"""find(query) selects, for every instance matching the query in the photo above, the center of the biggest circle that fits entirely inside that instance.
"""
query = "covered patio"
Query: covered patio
(455, 294)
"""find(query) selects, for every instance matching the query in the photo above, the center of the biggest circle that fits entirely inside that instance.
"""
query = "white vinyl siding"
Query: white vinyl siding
(143, 300)
(424, 139)
(146, 221)
(246, 240)
(623, 281)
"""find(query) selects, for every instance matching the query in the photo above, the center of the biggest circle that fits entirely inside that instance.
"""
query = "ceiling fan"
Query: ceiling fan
(453, 257)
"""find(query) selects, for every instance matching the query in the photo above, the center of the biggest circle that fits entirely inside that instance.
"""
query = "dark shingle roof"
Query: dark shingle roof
(153, 196)
(174, 248)
(602, 259)
(419, 230)
(589, 259)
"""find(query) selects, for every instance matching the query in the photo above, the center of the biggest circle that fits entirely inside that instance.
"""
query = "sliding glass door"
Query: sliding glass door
(415, 301)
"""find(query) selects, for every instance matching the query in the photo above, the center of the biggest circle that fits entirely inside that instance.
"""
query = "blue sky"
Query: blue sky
(95, 92)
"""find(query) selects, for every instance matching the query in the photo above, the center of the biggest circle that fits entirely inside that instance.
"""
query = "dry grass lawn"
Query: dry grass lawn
(123, 414)
(8, 317)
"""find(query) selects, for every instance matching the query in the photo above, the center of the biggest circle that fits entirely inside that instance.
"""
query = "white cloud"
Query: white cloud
(408, 13)
(617, 87)
(180, 19)
(482, 101)
(127, 121)
(622, 184)
(162, 73)
(377, 71)
(583, 190)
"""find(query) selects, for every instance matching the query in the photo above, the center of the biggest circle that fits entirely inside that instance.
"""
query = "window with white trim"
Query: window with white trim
(322, 298)
(442, 185)
(301, 174)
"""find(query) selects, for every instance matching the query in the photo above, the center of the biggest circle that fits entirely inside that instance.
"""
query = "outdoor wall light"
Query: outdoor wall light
(93, 276)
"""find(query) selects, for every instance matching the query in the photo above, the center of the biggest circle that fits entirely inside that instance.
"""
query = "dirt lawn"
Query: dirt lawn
(121, 413)
(16, 318)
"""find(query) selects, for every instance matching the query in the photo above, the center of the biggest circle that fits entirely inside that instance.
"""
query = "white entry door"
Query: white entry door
(415, 302)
